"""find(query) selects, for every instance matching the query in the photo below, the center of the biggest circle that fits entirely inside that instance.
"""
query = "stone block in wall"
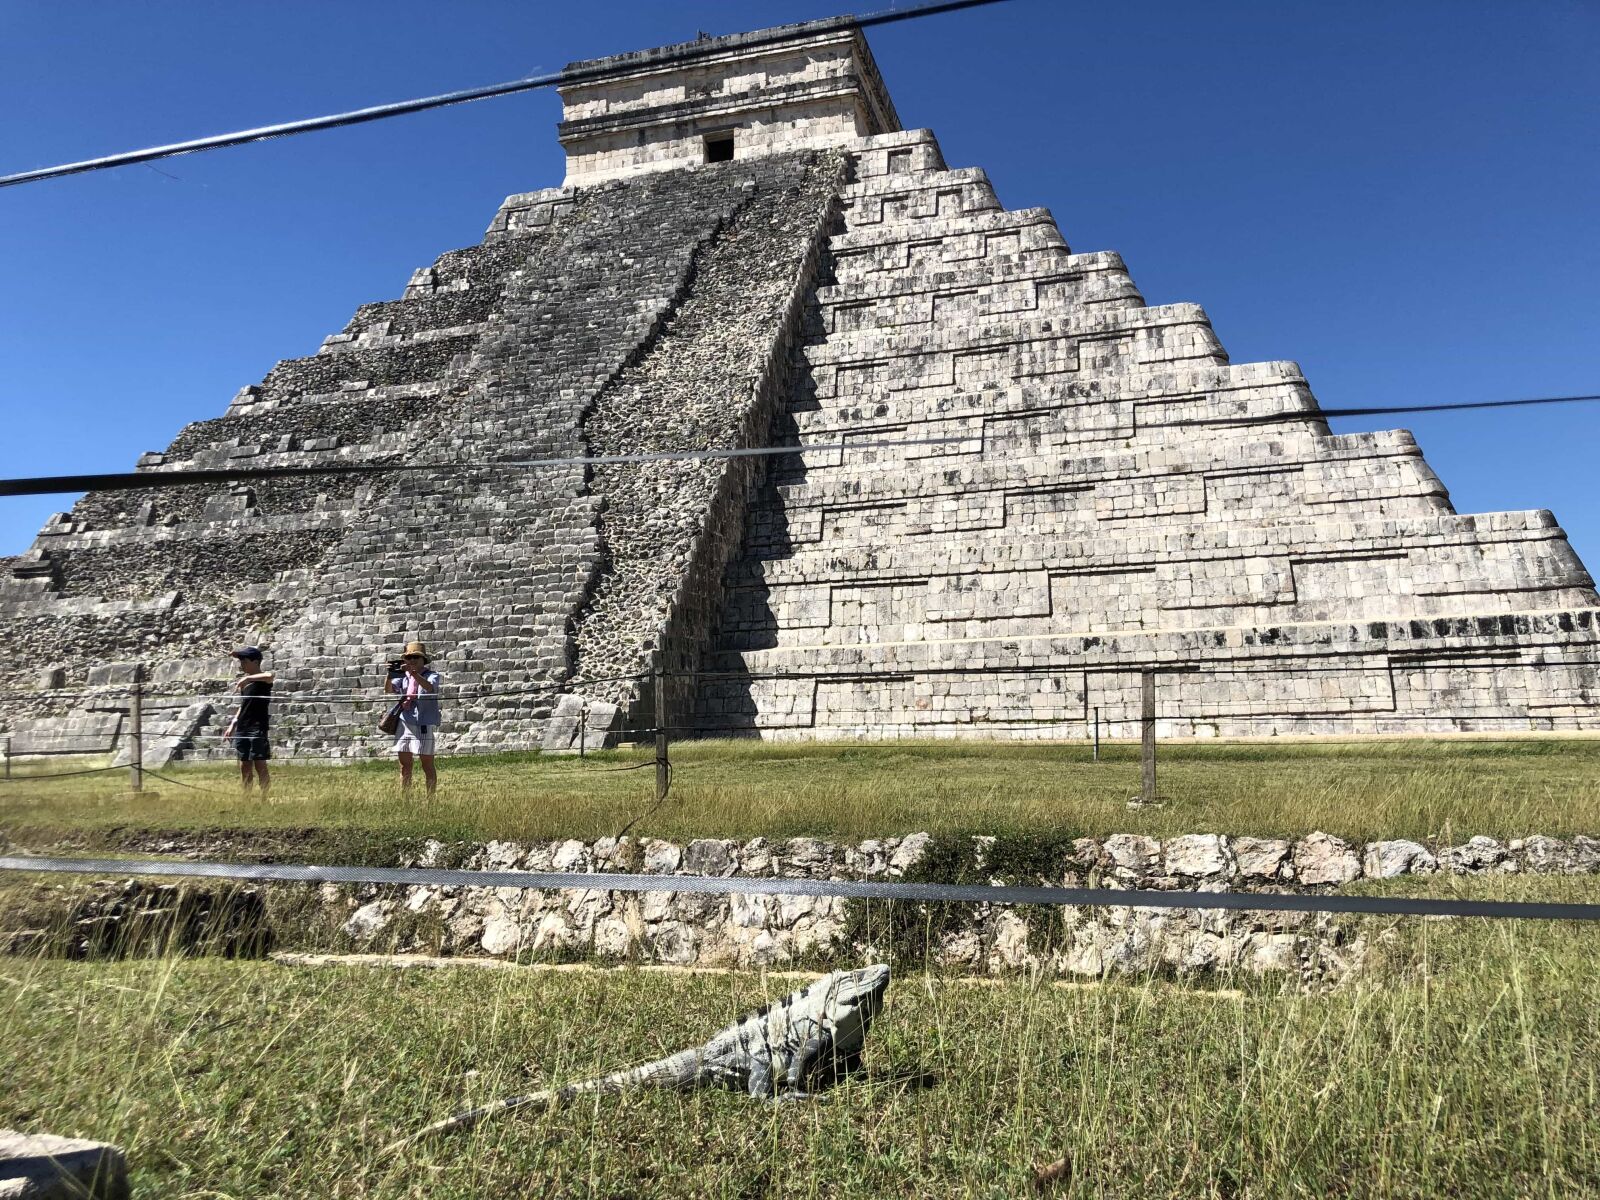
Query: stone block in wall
(580, 723)
(1322, 858)
(1199, 855)
(1478, 854)
(561, 730)
(1385, 860)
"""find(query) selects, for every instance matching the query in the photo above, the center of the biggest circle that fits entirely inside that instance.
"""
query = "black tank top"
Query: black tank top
(253, 708)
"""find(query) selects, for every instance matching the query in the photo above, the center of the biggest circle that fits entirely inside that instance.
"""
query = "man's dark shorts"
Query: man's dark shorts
(251, 745)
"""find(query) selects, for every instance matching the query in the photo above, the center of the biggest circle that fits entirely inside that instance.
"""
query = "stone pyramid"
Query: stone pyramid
(749, 251)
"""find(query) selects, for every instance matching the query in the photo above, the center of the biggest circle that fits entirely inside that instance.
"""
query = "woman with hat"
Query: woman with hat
(418, 689)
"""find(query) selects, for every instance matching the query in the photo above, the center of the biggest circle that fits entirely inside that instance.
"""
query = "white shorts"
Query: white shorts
(415, 739)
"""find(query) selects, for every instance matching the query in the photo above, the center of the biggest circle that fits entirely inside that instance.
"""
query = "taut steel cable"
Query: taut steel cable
(687, 53)
(849, 889)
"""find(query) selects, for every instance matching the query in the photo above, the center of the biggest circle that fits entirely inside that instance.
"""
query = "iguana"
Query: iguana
(789, 1049)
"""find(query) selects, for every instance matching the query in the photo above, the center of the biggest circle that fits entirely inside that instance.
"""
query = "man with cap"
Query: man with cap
(418, 689)
(248, 726)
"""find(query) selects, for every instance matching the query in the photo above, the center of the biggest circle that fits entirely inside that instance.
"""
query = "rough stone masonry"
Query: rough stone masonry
(748, 250)
(695, 929)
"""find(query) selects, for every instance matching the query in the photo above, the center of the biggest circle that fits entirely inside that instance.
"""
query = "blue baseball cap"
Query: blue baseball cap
(247, 652)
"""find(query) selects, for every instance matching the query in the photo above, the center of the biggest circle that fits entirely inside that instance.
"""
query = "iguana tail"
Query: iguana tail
(677, 1070)
(470, 1117)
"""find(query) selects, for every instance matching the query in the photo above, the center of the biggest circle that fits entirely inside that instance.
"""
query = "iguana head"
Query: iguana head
(854, 999)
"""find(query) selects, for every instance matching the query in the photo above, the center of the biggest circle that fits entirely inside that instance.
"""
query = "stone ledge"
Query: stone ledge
(690, 929)
(40, 1166)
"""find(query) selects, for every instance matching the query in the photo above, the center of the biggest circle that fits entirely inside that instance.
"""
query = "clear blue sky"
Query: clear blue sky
(1399, 197)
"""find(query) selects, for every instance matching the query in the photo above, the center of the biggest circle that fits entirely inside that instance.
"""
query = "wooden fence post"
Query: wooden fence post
(1147, 738)
(136, 732)
(658, 669)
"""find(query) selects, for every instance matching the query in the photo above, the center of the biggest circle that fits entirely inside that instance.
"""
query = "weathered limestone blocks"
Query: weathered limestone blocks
(690, 928)
(656, 315)
(713, 378)
(1112, 477)
(741, 96)
(577, 725)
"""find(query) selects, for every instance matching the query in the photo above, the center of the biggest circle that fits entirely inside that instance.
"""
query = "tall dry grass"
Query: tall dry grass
(1465, 1065)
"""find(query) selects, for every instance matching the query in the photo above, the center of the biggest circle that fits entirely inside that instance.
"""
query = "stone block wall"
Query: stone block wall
(687, 929)
(1103, 506)
(813, 86)
(633, 317)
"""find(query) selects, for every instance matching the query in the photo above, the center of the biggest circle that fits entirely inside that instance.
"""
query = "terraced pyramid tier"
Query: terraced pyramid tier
(1107, 506)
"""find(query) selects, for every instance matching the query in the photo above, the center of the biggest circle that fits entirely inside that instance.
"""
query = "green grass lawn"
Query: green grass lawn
(1408, 788)
(1468, 1066)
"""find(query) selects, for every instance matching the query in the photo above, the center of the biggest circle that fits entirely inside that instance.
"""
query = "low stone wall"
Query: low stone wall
(693, 929)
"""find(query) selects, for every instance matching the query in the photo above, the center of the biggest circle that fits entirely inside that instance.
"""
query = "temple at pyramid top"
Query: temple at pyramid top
(794, 87)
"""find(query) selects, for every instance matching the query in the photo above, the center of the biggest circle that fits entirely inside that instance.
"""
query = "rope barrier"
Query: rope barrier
(830, 888)
(1380, 411)
(1134, 427)
(660, 800)
(60, 774)
(192, 786)
(353, 696)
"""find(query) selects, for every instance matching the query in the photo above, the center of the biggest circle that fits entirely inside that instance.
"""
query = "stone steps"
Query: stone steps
(1007, 271)
(966, 239)
(932, 301)
(869, 613)
(871, 344)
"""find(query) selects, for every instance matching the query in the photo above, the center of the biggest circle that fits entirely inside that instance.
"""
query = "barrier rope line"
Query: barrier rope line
(115, 481)
(652, 810)
(192, 786)
(838, 888)
(1271, 668)
(61, 774)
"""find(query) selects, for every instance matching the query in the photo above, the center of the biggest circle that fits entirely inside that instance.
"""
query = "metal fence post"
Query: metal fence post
(8, 756)
(658, 670)
(1096, 733)
(1147, 737)
(136, 720)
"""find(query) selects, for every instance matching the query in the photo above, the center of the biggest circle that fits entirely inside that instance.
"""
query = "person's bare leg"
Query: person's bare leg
(246, 777)
(405, 770)
(263, 776)
(429, 773)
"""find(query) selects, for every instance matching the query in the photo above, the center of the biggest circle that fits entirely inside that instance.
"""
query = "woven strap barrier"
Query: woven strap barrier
(847, 888)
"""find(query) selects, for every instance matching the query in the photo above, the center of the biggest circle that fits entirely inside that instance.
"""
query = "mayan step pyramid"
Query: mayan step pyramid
(749, 251)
